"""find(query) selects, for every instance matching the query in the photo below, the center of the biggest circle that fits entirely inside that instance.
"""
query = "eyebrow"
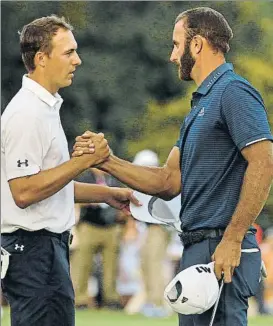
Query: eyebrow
(70, 50)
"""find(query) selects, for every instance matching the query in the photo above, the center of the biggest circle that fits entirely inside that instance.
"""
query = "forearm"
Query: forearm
(150, 180)
(34, 188)
(254, 193)
(91, 193)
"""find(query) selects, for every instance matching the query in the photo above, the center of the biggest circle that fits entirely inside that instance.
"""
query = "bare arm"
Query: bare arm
(164, 182)
(116, 197)
(34, 188)
(255, 189)
(91, 193)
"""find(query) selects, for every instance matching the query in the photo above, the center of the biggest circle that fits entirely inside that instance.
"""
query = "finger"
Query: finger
(126, 210)
(77, 153)
(104, 143)
(218, 270)
(134, 200)
(213, 257)
(227, 274)
(81, 139)
(85, 150)
(83, 144)
(101, 134)
(89, 134)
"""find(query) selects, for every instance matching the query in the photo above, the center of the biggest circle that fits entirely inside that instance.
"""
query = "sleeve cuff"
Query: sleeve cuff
(254, 139)
(22, 173)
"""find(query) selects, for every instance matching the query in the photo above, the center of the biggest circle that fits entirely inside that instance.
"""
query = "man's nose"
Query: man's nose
(77, 60)
(173, 56)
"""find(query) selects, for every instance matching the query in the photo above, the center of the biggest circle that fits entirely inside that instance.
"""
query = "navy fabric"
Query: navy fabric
(233, 304)
(226, 115)
(37, 284)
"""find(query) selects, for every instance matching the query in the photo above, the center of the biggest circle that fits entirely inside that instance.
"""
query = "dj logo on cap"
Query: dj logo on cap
(194, 290)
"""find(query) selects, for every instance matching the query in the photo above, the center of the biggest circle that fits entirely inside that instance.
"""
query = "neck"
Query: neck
(43, 81)
(205, 67)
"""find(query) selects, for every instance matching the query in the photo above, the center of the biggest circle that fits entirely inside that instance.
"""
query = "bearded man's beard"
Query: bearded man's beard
(186, 63)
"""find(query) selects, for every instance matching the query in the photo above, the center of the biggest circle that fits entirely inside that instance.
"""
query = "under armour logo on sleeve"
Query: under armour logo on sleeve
(21, 247)
(19, 163)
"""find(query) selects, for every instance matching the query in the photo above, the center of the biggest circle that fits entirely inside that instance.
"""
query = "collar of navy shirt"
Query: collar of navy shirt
(212, 78)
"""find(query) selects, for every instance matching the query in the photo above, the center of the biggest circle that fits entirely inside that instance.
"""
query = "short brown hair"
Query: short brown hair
(37, 35)
(209, 24)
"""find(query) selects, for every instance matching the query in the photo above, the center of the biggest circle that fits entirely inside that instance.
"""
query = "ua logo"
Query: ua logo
(202, 112)
(203, 269)
(19, 163)
(19, 247)
(184, 299)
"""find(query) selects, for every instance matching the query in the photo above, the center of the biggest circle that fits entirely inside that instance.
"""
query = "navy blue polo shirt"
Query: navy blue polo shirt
(227, 114)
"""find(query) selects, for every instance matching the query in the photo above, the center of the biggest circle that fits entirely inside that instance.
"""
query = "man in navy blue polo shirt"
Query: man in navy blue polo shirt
(222, 165)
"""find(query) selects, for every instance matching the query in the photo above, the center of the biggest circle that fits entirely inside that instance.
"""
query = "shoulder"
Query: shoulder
(236, 87)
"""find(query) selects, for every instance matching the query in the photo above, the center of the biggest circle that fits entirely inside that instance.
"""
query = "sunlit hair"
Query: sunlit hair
(209, 24)
(37, 36)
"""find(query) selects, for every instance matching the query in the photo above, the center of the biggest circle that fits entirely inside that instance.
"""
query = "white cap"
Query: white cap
(146, 158)
(194, 290)
(154, 207)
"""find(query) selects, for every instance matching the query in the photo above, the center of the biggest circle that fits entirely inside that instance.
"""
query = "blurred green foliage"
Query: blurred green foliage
(126, 87)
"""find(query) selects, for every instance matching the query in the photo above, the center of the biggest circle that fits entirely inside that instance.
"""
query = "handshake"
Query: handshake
(91, 149)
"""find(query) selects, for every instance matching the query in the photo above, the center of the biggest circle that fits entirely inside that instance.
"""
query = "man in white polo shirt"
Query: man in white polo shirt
(37, 186)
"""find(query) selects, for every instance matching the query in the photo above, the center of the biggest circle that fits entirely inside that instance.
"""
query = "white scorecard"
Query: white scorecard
(157, 211)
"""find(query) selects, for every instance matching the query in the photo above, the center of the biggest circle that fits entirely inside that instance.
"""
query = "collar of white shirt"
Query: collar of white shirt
(54, 101)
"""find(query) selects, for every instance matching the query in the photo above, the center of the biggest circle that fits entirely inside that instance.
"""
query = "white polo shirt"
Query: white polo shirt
(33, 140)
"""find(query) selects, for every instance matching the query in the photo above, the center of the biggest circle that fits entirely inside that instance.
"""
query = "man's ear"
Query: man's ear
(197, 44)
(40, 59)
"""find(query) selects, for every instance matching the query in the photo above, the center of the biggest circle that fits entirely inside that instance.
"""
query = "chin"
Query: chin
(68, 83)
(184, 77)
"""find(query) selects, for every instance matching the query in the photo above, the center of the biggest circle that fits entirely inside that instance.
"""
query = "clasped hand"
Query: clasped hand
(92, 143)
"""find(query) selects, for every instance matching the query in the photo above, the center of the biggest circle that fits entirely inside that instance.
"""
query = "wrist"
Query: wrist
(104, 166)
(233, 235)
(80, 163)
(108, 194)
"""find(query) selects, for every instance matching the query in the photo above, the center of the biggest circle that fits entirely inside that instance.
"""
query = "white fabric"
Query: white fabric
(32, 140)
(193, 291)
(4, 262)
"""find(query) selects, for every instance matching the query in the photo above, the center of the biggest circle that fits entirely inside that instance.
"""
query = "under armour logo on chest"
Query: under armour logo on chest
(19, 163)
(201, 112)
(21, 247)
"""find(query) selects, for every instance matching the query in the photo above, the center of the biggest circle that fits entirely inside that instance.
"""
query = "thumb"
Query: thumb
(88, 134)
(134, 200)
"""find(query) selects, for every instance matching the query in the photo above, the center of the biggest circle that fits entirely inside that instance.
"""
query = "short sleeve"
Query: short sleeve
(177, 144)
(182, 128)
(25, 142)
(244, 114)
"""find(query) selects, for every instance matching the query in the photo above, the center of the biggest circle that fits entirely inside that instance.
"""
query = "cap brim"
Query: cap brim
(142, 213)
